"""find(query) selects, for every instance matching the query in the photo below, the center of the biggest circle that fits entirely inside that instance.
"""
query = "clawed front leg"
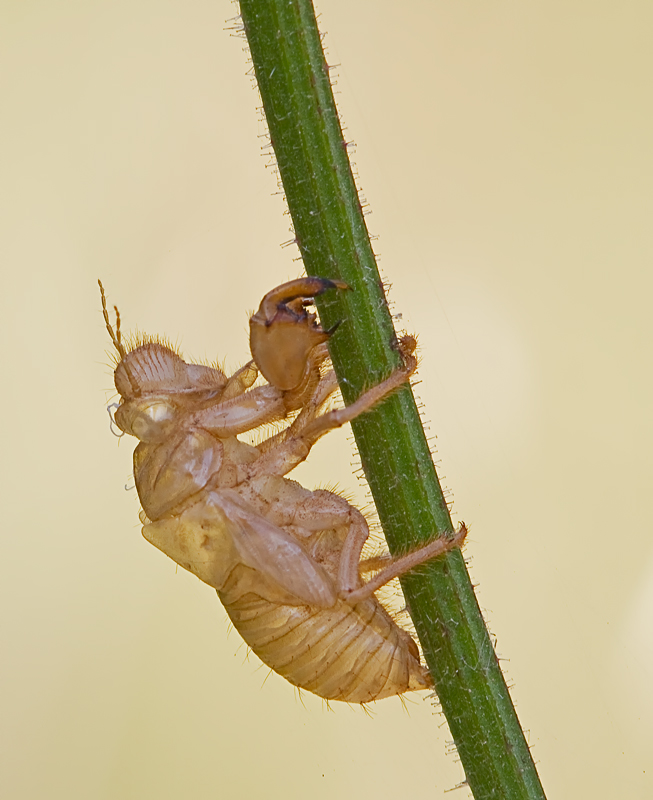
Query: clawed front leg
(286, 340)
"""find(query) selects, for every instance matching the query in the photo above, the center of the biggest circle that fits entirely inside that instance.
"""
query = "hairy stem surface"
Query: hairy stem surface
(332, 236)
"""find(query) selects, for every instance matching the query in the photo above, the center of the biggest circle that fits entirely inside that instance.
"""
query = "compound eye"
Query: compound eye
(150, 422)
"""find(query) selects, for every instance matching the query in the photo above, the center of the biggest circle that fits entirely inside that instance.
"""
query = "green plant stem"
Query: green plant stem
(332, 236)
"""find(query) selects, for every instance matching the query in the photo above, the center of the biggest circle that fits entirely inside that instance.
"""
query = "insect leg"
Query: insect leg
(323, 509)
(340, 416)
(240, 381)
(297, 442)
(326, 387)
(404, 564)
(277, 299)
(348, 571)
(242, 412)
(284, 338)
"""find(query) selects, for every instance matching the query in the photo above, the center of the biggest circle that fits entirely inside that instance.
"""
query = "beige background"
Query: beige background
(505, 149)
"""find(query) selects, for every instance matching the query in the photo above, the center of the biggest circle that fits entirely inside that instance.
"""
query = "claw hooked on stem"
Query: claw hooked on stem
(284, 335)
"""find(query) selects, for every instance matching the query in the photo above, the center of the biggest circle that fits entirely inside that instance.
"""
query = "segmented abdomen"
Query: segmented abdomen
(351, 653)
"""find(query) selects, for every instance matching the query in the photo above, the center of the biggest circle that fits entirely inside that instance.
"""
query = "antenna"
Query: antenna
(116, 337)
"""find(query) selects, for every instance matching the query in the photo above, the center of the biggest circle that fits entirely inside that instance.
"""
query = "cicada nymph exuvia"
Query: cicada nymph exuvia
(285, 560)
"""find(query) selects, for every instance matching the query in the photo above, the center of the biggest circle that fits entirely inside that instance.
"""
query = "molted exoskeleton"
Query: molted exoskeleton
(285, 560)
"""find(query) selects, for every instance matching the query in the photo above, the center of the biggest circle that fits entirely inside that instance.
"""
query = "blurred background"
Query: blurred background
(505, 151)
